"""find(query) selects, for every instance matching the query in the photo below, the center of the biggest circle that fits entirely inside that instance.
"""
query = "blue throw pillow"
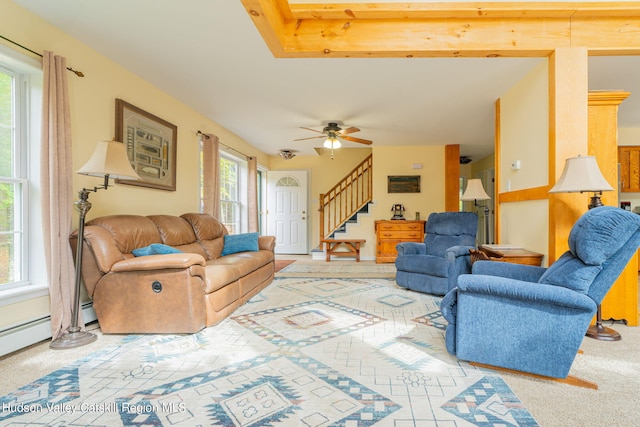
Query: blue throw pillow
(155, 249)
(234, 243)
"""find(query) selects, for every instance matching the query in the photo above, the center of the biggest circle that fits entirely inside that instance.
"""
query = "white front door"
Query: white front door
(287, 212)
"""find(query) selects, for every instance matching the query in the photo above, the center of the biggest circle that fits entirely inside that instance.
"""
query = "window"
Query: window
(233, 193)
(20, 230)
(12, 182)
(233, 178)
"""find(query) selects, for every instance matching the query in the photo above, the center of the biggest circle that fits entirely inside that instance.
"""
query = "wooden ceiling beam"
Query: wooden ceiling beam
(386, 30)
(462, 10)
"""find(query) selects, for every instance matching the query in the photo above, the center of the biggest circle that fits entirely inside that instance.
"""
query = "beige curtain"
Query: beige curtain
(57, 192)
(253, 193)
(210, 166)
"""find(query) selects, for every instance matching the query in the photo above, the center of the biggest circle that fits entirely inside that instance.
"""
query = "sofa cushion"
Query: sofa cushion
(209, 233)
(205, 226)
(129, 232)
(245, 242)
(222, 271)
(155, 249)
(175, 231)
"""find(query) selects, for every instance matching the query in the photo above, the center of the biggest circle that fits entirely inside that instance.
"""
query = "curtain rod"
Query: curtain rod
(200, 133)
(76, 72)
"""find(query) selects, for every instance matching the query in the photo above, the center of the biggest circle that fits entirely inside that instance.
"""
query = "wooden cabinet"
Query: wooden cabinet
(629, 159)
(391, 232)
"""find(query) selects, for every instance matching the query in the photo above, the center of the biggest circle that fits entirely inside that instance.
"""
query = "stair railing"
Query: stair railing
(346, 198)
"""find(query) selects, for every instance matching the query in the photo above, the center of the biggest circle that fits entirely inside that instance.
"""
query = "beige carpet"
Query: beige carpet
(614, 366)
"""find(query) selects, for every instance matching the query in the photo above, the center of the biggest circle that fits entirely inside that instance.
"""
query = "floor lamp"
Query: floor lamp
(109, 160)
(473, 193)
(581, 174)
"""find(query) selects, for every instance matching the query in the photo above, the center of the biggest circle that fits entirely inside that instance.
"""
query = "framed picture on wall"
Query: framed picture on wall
(403, 184)
(151, 146)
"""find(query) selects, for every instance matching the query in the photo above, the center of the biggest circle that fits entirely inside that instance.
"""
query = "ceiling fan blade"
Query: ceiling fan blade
(312, 137)
(350, 130)
(312, 130)
(353, 139)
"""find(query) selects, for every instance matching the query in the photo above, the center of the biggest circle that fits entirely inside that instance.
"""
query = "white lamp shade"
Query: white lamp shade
(581, 174)
(109, 158)
(474, 191)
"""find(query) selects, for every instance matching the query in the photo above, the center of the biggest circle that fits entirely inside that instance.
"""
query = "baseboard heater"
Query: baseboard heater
(23, 335)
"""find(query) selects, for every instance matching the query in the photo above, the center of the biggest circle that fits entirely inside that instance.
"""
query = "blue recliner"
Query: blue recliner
(533, 319)
(433, 267)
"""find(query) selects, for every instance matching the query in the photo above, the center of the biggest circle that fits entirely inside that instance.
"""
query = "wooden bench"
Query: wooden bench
(352, 247)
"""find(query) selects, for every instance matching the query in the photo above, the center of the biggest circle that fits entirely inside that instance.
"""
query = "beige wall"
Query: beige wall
(324, 173)
(524, 136)
(93, 119)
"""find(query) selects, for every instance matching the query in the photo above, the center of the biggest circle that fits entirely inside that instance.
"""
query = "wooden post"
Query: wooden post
(568, 123)
(452, 178)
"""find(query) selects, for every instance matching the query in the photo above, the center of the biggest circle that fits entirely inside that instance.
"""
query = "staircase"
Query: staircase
(345, 200)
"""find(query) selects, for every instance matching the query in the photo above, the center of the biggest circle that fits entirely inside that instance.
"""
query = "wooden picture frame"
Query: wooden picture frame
(403, 183)
(151, 145)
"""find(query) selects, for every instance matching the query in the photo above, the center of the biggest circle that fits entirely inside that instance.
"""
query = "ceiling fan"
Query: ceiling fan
(333, 133)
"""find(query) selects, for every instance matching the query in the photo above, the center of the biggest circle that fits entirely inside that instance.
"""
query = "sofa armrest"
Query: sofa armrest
(518, 291)
(267, 243)
(159, 262)
(411, 248)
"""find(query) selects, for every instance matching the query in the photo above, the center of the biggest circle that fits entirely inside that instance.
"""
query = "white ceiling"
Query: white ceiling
(209, 55)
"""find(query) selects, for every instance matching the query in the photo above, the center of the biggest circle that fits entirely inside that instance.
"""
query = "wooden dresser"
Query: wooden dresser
(391, 232)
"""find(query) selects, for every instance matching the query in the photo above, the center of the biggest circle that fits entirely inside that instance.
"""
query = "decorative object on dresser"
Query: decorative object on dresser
(397, 210)
(433, 266)
(109, 159)
(391, 232)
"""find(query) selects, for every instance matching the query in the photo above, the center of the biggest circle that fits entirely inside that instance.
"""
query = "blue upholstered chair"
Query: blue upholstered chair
(433, 266)
(533, 319)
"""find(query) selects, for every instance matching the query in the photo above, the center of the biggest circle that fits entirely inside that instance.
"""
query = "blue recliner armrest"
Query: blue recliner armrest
(458, 251)
(534, 294)
(527, 273)
(411, 248)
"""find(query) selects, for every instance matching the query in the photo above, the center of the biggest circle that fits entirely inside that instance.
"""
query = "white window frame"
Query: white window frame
(28, 110)
(242, 198)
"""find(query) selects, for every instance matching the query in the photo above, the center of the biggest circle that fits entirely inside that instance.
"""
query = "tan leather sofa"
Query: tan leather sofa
(169, 293)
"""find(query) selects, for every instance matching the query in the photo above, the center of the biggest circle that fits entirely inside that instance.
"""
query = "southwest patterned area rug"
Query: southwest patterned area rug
(342, 269)
(304, 352)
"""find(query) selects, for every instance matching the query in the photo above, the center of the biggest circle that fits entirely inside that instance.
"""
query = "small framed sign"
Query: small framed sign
(403, 183)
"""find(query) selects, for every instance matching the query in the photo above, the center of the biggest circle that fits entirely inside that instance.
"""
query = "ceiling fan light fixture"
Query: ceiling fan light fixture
(286, 154)
(332, 143)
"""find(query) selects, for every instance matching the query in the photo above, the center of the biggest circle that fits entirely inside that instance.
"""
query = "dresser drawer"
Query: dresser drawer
(401, 234)
(400, 226)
